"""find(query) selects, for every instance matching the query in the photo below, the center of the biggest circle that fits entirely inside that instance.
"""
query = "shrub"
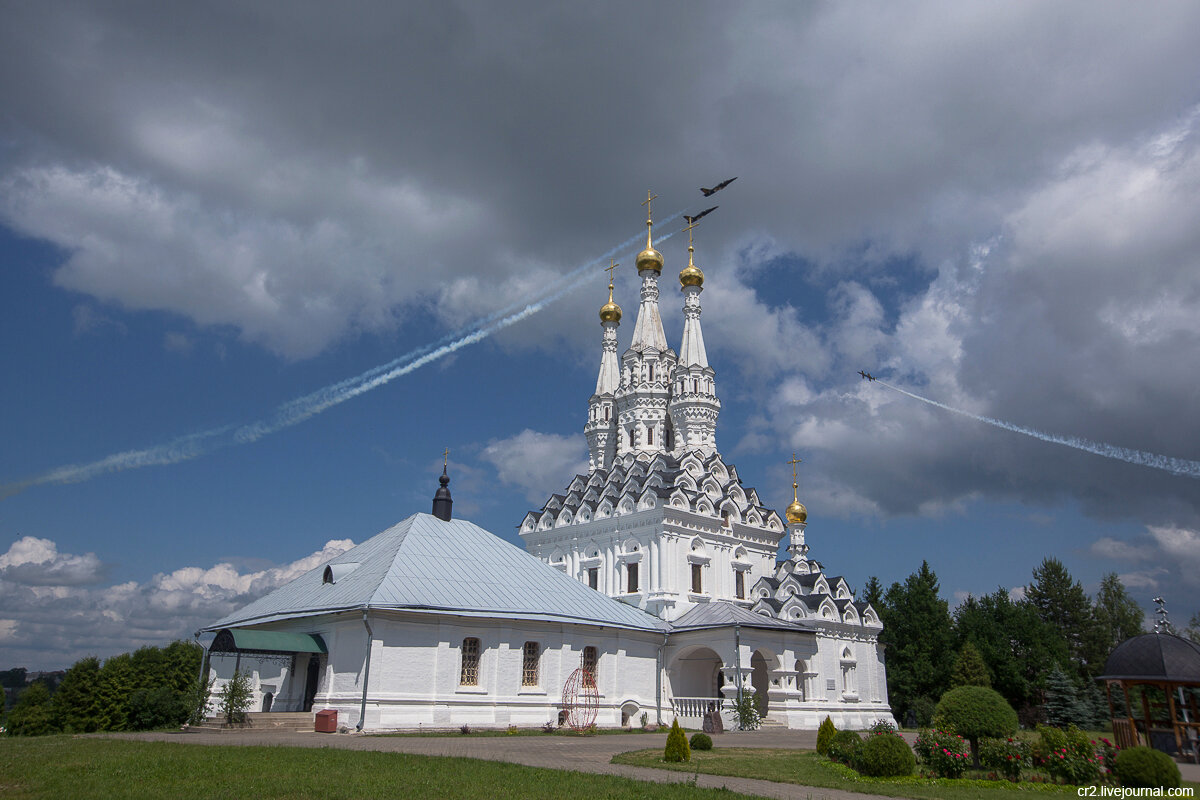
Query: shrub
(157, 708)
(1070, 755)
(883, 755)
(946, 754)
(235, 699)
(677, 745)
(825, 736)
(882, 726)
(1006, 756)
(747, 712)
(843, 746)
(1146, 767)
(975, 712)
(700, 741)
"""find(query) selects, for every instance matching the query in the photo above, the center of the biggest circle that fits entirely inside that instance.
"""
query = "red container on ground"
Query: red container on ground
(326, 721)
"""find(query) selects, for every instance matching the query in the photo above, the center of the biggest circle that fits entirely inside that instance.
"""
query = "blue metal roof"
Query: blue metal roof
(424, 563)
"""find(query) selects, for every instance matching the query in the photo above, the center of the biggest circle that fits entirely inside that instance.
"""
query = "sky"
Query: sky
(208, 211)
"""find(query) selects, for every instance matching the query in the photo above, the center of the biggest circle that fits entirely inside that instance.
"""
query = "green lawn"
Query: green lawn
(65, 767)
(809, 769)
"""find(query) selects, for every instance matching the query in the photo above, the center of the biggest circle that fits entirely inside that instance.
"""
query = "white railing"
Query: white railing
(694, 708)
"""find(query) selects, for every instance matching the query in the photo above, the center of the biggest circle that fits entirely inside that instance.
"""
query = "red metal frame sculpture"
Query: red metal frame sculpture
(580, 700)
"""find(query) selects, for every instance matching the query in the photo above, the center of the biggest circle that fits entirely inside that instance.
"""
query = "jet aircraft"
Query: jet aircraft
(692, 220)
(866, 375)
(718, 187)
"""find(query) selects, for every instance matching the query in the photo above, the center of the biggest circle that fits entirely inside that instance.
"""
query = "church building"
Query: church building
(657, 572)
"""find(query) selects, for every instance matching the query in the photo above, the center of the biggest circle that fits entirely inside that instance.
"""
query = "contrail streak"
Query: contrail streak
(303, 408)
(1176, 466)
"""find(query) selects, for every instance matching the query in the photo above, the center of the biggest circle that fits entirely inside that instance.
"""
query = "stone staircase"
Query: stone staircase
(267, 721)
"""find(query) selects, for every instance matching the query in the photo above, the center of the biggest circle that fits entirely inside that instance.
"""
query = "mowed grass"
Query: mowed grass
(66, 767)
(809, 769)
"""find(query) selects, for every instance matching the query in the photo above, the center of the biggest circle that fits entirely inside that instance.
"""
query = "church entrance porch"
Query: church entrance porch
(696, 678)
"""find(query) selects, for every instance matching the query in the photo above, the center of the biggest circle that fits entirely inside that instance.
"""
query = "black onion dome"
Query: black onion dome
(1154, 656)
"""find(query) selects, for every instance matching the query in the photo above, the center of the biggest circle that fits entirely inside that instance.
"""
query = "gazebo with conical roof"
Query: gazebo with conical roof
(1170, 664)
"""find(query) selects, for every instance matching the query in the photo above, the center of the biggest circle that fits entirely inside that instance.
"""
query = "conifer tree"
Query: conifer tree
(918, 635)
(76, 704)
(677, 748)
(1117, 617)
(31, 716)
(1061, 604)
(969, 669)
(1063, 704)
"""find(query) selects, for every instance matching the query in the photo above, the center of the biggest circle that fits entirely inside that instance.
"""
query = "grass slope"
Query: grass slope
(62, 766)
(809, 769)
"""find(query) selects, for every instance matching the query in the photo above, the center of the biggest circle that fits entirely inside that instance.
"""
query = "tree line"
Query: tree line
(152, 687)
(1042, 652)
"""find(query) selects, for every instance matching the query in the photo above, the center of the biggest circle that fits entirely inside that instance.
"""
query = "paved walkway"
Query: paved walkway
(583, 754)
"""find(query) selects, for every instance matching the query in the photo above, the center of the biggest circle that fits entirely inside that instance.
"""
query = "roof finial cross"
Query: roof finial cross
(795, 485)
(649, 224)
(609, 270)
(445, 458)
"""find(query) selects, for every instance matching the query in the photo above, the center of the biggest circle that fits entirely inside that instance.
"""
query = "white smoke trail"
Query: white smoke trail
(303, 408)
(1176, 466)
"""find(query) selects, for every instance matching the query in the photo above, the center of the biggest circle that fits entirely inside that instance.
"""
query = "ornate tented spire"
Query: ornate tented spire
(601, 427)
(694, 405)
(797, 517)
(643, 426)
(442, 503)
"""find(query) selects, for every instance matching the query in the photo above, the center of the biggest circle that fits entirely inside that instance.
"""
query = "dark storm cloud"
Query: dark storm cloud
(305, 175)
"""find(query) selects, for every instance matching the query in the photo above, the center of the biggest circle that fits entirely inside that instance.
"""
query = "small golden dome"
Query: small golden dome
(610, 312)
(796, 512)
(691, 275)
(650, 259)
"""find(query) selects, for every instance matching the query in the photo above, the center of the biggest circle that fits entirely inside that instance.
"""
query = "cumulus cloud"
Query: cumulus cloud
(536, 463)
(53, 618)
(31, 561)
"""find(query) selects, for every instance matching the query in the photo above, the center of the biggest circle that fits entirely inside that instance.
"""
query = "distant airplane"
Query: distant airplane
(718, 187)
(692, 220)
(866, 375)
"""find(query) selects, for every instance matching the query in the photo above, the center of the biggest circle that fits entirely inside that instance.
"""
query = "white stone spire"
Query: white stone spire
(643, 426)
(601, 427)
(694, 405)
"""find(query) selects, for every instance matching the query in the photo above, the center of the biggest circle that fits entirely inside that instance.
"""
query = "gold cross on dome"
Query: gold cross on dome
(649, 196)
(446, 457)
(610, 269)
(794, 462)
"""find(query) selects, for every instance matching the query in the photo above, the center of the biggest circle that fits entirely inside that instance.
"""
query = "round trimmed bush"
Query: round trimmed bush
(825, 736)
(1146, 767)
(883, 755)
(975, 712)
(700, 741)
(843, 746)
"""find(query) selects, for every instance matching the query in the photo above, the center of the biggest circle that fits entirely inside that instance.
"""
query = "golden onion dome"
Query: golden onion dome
(650, 259)
(796, 512)
(691, 275)
(610, 312)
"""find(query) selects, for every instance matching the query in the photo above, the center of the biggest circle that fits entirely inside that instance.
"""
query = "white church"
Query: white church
(657, 571)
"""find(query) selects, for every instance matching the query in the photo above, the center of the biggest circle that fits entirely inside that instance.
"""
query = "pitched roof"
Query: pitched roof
(720, 613)
(424, 563)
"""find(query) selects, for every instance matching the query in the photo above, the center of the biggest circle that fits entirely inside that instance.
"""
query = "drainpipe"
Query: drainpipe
(658, 680)
(362, 711)
(737, 661)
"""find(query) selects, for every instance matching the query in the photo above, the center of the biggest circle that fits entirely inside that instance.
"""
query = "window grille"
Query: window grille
(591, 660)
(739, 581)
(469, 676)
(529, 665)
(632, 575)
(594, 577)
(697, 579)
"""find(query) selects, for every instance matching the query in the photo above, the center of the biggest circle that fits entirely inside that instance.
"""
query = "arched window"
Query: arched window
(739, 584)
(469, 674)
(591, 664)
(649, 435)
(631, 574)
(529, 664)
(697, 578)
